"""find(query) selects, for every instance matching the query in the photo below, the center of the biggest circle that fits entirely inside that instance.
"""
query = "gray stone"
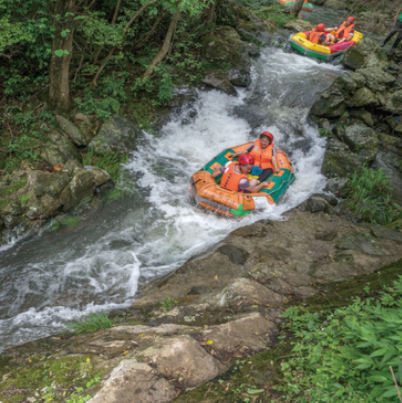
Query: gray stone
(299, 25)
(40, 183)
(393, 103)
(221, 82)
(100, 175)
(42, 208)
(253, 32)
(235, 255)
(253, 50)
(134, 381)
(336, 4)
(58, 149)
(336, 186)
(391, 121)
(362, 140)
(182, 357)
(73, 131)
(332, 102)
(363, 115)
(81, 188)
(72, 165)
(365, 53)
(364, 97)
(376, 78)
(315, 204)
(116, 134)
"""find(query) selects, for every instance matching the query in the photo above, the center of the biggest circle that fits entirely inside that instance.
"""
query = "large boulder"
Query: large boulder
(58, 149)
(363, 115)
(332, 102)
(299, 25)
(75, 134)
(224, 49)
(362, 140)
(116, 134)
(336, 186)
(393, 103)
(220, 81)
(376, 78)
(80, 189)
(254, 32)
(40, 183)
(364, 97)
(42, 208)
(365, 53)
(339, 160)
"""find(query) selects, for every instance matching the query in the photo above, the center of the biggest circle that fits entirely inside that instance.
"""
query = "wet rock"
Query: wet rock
(253, 32)
(315, 204)
(182, 357)
(72, 165)
(362, 140)
(235, 255)
(253, 50)
(40, 183)
(299, 25)
(326, 236)
(247, 292)
(328, 197)
(58, 149)
(81, 188)
(365, 53)
(244, 337)
(364, 97)
(100, 175)
(221, 82)
(376, 78)
(336, 186)
(336, 4)
(386, 233)
(225, 49)
(393, 103)
(42, 208)
(362, 242)
(73, 131)
(363, 115)
(87, 124)
(347, 83)
(391, 121)
(339, 161)
(132, 380)
(332, 102)
(116, 134)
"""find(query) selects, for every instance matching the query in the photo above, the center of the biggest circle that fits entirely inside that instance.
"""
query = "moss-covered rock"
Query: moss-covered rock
(364, 97)
(73, 131)
(393, 102)
(58, 149)
(363, 115)
(332, 102)
(365, 53)
(362, 140)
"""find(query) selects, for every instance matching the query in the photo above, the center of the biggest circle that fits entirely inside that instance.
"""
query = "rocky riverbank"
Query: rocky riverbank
(192, 326)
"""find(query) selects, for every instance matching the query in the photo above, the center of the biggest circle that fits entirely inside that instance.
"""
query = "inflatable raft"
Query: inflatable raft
(306, 7)
(300, 42)
(207, 191)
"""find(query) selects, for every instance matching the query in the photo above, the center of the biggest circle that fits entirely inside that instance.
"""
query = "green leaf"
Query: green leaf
(255, 391)
(64, 33)
(379, 352)
(390, 393)
(59, 52)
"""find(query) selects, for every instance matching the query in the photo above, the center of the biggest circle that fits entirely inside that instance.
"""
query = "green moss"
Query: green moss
(71, 222)
(7, 191)
(70, 374)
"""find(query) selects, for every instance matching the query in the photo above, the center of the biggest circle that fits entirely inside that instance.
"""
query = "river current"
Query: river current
(49, 280)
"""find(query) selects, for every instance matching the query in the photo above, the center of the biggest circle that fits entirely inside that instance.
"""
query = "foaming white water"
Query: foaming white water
(50, 281)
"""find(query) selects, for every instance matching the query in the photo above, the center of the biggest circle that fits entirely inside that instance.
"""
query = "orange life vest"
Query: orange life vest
(262, 157)
(315, 36)
(345, 30)
(231, 178)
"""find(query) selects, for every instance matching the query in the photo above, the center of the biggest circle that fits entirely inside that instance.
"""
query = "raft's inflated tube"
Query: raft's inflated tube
(306, 6)
(208, 193)
(300, 42)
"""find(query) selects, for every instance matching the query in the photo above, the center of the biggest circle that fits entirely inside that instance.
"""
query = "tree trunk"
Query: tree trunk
(297, 7)
(59, 94)
(165, 47)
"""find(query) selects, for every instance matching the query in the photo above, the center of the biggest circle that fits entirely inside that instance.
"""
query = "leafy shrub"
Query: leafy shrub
(369, 194)
(346, 356)
(91, 323)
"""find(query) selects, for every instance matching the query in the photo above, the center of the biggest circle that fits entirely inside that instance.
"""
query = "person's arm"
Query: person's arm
(216, 173)
(275, 164)
(397, 14)
(257, 188)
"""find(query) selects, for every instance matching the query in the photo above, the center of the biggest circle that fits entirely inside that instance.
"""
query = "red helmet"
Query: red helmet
(320, 27)
(246, 159)
(351, 19)
(268, 134)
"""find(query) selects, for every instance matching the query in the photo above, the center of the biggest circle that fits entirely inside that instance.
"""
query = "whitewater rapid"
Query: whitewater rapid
(51, 280)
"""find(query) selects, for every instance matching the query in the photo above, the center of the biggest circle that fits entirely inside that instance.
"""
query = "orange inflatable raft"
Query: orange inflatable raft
(207, 191)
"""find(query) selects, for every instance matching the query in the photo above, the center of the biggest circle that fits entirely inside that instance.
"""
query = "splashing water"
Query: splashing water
(51, 279)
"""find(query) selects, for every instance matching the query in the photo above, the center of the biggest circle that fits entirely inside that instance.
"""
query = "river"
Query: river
(52, 279)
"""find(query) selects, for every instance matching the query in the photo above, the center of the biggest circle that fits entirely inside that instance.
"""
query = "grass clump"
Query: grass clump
(346, 355)
(368, 193)
(91, 323)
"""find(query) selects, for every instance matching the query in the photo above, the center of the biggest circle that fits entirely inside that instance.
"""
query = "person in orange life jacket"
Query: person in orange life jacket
(235, 176)
(345, 31)
(264, 153)
(319, 37)
(397, 29)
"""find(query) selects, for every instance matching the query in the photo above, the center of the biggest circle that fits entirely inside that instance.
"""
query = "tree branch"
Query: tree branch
(165, 47)
(149, 33)
(135, 16)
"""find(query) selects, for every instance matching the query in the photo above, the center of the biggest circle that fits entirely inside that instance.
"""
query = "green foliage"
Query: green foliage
(167, 303)
(91, 323)
(345, 356)
(369, 194)
(323, 132)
